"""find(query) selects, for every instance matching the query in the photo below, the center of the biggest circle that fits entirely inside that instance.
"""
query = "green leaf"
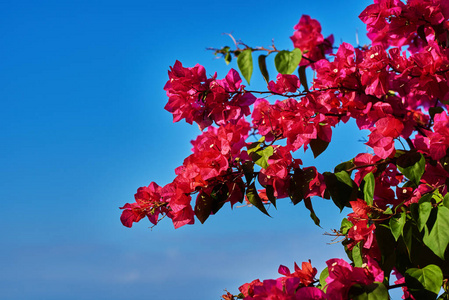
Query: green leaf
(248, 170)
(308, 204)
(260, 157)
(227, 56)
(345, 226)
(324, 274)
(412, 165)
(203, 206)
(318, 146)
(220, 194)
(424, 283)
(297, 185)
(303, 77)
(435, 110)
(263, 67)
(446, 200)
(270, 194)
(254, 199)
(245, 64)
(287, 61)
(368, 188)
(424, 212)
(357, 256)
(341, 188)
(344, 166)
(438, 238)
(397, 225)
(374, 291)
(253, 147)
(388, 211)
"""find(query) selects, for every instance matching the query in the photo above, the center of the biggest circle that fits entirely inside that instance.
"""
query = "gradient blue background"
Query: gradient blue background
(82, 126)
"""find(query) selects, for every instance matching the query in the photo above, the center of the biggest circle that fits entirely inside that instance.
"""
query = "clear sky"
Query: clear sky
(82, 126)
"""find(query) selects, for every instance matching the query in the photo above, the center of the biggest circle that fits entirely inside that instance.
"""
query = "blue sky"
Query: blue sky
(83, 126)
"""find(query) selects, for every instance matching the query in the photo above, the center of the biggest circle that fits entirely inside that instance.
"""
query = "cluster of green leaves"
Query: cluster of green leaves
(285, 61)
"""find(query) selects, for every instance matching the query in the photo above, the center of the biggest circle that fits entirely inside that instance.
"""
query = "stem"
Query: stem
(394, 286)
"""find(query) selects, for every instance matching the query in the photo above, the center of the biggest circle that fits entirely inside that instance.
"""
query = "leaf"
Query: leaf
(248, 170)
(308, 204)
(287, 61)
(254, 199)
(357, 256)
(203, 206)
(424, 212)
(341, 188)
(260, 157)
(412, 165)
(227, 56)
(263, 67)
(220, 194)
(397, 225)
(303, 77)
(253, 147)
(387, 246)
(245, 64)
(270, 194)
(424, 283)
(446, 200)
(368, 188)
(344, 166)
(373, 291)
(318, 146)
(345, 226)
(438, 238)
(435, 110)
(324, 274)
(296, 187)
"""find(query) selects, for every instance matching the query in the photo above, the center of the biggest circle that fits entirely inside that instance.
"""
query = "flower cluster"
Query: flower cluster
(194, 97)
(396, 192)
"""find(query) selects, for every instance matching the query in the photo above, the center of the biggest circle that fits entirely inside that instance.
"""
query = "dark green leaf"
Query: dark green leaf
(248, 170)
(424, 283)
(438, 238)
(341, 188)
(263, 67)
(412, 165)
(287, 61)
(435, 110)
(397, 225)
(245, 64)
(203, 207)
(297, 186)
(387, 246)
(308, 204)
(303, 77)
(407, 236)
(270, 194)
(374, 291)
(220, 194)
(318, 146)
(424, 212)
(344, 166)
(254, 199)
(368, 188)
